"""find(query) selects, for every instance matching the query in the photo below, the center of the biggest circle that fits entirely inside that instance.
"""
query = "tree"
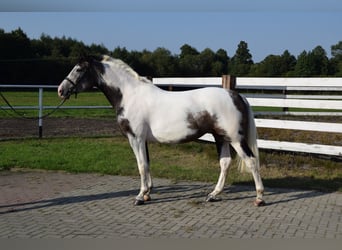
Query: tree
(274, 65)
(43, 46)
(189, 61)
(163, 63)
(222, 62)
(336, 50)
(187, 50)
(288, 63)
(303, 66)
(77, 50)
(47, 60)
(121, 53)
(134, 60)
(269, 67)
(241, 61)
(335, 64)
(15, 45)
(312, 63)
(320, 61)
(98, 49)
(206, 61)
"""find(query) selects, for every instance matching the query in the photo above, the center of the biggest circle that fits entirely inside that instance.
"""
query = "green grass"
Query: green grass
(192, 161)
(108, 156)
(50, 98)
(69, 154)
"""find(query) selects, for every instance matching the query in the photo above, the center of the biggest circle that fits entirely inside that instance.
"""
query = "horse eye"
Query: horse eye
(79, 70)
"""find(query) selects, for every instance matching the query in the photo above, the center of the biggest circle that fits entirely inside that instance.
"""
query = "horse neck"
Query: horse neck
(117, 86)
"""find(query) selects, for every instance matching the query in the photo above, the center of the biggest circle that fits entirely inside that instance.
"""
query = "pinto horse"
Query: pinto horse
(146, 113)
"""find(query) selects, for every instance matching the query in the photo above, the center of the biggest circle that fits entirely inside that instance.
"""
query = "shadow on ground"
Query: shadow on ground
(170, 193)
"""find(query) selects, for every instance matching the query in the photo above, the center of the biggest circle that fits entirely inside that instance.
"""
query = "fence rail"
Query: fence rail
(40, 107)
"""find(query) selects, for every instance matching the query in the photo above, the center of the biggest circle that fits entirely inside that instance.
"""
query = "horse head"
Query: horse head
(85, 75)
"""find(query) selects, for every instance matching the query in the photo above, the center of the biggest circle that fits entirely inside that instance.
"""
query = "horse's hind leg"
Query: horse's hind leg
(247, 156)
(147, 196)
(225, 159)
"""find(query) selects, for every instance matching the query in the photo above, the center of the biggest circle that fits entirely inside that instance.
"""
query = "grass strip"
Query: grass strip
(191, 161)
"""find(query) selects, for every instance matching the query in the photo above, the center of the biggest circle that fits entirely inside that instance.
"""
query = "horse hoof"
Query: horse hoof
(139, 202)
(211, 198)
(259, 203)
(147, 197)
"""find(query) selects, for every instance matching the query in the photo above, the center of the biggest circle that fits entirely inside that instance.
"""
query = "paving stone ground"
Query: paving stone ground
(45, 204)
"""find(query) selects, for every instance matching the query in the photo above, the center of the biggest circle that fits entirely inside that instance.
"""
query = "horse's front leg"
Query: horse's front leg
(139, 149)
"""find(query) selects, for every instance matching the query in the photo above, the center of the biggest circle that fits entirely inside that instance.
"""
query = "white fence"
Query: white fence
(329, 104)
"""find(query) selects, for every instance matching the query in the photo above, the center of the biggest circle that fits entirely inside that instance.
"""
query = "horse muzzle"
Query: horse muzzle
(65, 91)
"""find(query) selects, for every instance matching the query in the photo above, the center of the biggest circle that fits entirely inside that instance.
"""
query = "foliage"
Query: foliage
(312, 63)
(242, 60)
(336, 50)
(47, 60)
(274, 65)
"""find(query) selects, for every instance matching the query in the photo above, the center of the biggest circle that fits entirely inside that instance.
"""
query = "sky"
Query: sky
(268, 26)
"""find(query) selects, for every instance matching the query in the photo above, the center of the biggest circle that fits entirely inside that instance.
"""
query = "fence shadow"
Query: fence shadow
(60, 201)
(301, 183)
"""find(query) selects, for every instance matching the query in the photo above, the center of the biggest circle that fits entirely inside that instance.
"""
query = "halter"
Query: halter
(71, 81)
(74, 84)
(72, 89)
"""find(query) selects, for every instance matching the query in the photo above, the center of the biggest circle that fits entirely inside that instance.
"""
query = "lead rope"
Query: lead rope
(32, 117)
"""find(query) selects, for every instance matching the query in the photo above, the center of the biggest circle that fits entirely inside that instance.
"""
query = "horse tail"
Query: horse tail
(251, 136)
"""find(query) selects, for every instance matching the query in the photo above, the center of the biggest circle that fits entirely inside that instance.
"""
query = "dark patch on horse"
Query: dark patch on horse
(119, 111)
(114, 96)
(91, 70)
(98, 66)
(125, 127)
(246, 148)
(147, 153)
(202, 122)
(219, 140)
(243, 109)
(93, 62)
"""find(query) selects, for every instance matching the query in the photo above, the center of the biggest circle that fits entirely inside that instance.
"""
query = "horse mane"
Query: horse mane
(125, 67)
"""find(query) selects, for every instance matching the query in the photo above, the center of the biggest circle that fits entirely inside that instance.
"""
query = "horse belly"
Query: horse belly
(168, 131)
(186, 127)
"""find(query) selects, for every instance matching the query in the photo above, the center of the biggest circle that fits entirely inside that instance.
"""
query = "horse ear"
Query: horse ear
(87, 60)
(92, 61)
(82, 58)
(95, 58)
(96, 63)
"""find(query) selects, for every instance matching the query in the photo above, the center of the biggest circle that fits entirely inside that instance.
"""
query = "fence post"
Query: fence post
(228, 82)
(285, 109)
(40, 115)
